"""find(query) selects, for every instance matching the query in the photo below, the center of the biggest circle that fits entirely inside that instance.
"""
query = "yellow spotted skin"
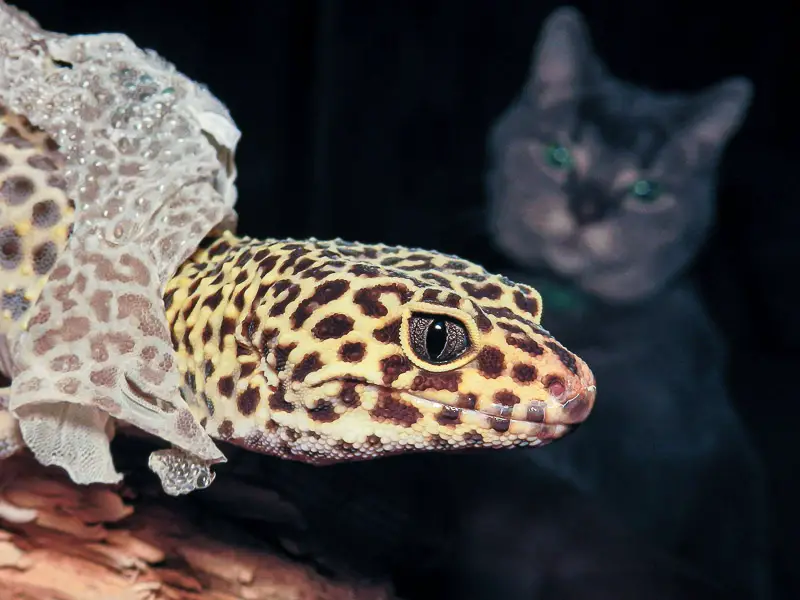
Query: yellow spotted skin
(311, 350)
(35, 216)
(305, 350)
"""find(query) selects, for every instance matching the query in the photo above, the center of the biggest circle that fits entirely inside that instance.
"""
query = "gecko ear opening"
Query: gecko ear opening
(438, 338)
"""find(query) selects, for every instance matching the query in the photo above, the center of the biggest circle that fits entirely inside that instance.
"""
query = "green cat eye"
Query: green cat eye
(646, 191)
(558, 156)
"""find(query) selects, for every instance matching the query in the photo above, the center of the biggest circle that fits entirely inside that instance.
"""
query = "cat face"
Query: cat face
(603, 182)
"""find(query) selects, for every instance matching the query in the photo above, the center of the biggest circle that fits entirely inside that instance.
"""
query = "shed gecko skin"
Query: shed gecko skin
(321, 351)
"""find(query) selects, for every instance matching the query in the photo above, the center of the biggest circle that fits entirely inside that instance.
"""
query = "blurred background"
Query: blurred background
(370, 121)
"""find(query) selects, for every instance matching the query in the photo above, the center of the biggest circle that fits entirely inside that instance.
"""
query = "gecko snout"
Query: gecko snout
(572, 403)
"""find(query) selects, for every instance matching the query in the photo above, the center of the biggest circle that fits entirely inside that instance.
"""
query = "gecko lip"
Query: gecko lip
(480, 419)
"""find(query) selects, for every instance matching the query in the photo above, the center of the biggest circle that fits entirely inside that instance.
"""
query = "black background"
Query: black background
(367, 120)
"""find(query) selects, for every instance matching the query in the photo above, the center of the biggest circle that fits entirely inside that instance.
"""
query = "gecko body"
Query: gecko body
(319, 351)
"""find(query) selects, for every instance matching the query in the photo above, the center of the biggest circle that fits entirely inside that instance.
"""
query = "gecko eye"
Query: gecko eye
(437, 339)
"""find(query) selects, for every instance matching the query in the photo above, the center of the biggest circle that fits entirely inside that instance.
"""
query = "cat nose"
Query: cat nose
(588, 206)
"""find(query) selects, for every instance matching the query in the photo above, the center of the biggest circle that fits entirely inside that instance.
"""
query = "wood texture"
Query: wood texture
(60, 541)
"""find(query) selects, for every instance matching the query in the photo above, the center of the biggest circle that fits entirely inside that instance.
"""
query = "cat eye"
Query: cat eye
(558, 156)
(646, 191)
(437, 339)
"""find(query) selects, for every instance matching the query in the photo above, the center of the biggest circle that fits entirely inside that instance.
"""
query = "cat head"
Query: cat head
(603, 182)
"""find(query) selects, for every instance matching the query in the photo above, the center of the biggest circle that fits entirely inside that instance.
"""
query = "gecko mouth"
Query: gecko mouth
(451, 414)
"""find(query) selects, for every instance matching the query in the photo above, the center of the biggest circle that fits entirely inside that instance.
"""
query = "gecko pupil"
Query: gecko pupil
(436, 338)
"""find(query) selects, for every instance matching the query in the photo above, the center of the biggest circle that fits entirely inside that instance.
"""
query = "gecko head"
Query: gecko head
(379, 361)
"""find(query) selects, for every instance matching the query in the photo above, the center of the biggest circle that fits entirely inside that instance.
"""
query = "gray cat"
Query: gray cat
(601, 193)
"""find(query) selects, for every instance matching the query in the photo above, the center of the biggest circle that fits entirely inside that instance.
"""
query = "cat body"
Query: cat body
(601, 193)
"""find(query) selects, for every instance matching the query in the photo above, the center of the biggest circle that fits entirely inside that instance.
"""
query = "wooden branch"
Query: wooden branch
(60, 541)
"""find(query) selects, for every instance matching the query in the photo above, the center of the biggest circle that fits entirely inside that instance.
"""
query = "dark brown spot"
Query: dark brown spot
(369, 299)
(491, 362)
(188, 307)
(389, 333)
(524, 343)
(243, 259)
(352, 351)
(323, 412)
(282, 356)
(248, 401)
(168, 298)
(249, 326)
(492, 291)
(430, 295)
(325, 293)
(394, 366)
(307, 365)
(44, 257)
(225, 429)
(246, 369)
(16, 190)
(208, 367)
(45, 214)
(238, 299)
(449, 415)
(348, 394)
(225, 386)
(481, 320)
(437, 381)
(468, 401)
(510, 327)
(392, 409)
(476, 277)
(213, 300)
(506, 313)
(526, 303)
(536, 411)
(267, 264)
(333, 327)
(566, 358)
(506, 398)
(292, 257)
(522, 373)
(208, 333)
(227, 327)
(438, 279)
(292, 291)
(365, 270)
(277, 400)
(499, 424)
(10, 248)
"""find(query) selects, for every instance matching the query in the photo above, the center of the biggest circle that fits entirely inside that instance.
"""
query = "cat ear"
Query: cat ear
(559, 58)
(717, 115)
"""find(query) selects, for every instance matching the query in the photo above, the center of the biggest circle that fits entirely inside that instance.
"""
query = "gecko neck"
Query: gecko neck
(210, 312)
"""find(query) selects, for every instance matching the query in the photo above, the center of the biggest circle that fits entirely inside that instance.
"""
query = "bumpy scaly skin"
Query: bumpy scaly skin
(302, 349)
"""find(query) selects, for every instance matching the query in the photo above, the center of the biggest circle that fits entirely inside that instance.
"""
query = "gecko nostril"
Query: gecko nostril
(556, 386)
